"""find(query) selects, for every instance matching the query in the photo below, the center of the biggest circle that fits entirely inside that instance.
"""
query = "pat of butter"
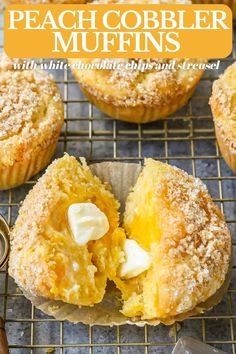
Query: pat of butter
(137, 260)
(87, 222)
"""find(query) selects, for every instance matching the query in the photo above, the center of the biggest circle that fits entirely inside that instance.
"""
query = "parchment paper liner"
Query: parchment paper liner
(121, 176)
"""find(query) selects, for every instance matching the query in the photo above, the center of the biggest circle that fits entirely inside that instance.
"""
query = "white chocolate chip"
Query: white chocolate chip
(75, 266)
(137, 260)
(87, 222)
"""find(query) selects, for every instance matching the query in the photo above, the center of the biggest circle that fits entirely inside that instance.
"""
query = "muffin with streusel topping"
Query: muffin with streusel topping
(138, 90)
(138, 96)
(223, 106)
(31, 118)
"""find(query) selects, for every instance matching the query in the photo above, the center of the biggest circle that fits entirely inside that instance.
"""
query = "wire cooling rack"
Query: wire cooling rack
(187, 139)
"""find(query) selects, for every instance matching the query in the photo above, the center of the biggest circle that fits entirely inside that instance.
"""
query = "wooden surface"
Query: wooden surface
(3, 339)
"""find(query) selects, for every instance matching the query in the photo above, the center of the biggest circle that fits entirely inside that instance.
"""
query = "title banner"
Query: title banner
(118, 31)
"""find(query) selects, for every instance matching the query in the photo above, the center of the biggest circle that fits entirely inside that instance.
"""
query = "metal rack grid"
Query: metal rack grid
(186, 139)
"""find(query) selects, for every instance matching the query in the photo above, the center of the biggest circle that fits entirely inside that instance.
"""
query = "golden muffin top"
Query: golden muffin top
(146, 82)
(155, 85)
(223, 104)
(172, 216)
(31, 112)
(134, 86)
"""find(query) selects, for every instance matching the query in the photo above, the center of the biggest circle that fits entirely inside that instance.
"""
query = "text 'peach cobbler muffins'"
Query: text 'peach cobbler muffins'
(31, 118)
(48, 259)
(133, 94)
(172, 254)
(223, 105)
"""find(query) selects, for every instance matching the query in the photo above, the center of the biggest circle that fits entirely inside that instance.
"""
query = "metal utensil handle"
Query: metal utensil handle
(3, 339)
(4, 236)
(4, 233)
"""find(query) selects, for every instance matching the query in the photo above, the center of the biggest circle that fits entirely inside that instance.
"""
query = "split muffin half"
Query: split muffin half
(66, 239)
(173, 218)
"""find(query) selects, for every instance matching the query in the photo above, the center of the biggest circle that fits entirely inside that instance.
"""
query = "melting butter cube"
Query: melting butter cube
(137, 260)
(87, 222)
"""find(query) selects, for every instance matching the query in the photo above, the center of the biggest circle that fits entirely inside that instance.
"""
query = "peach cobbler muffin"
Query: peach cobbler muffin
(31, 118)
(223, 105)
(134, 94)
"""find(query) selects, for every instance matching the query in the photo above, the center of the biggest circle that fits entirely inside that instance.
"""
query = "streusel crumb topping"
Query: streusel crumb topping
(159, 83)
(7, 63)
(206, 243)
(133, 86)
(31, 111)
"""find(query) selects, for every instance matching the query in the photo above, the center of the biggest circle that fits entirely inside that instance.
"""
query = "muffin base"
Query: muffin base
(22, 171)
(107, 313)
(228, 153)
(139, 113)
